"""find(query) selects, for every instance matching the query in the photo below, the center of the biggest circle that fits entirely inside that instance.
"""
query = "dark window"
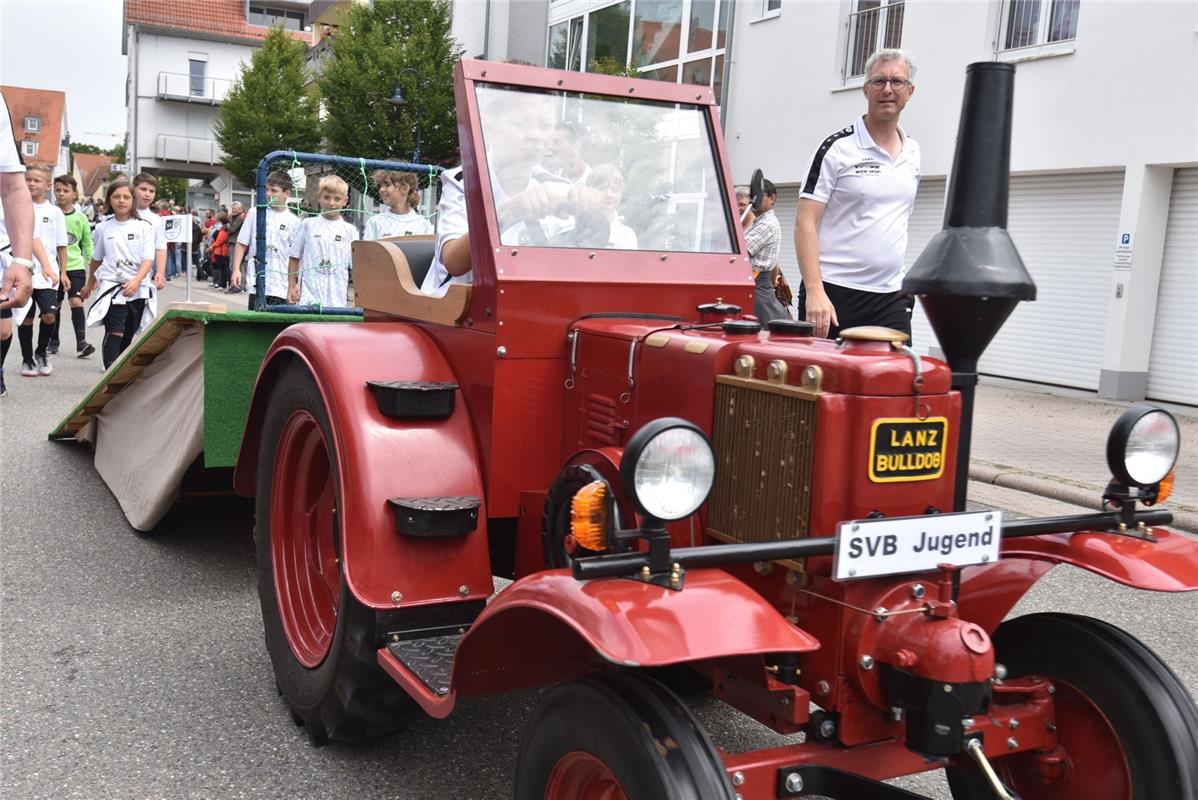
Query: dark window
(197, 71)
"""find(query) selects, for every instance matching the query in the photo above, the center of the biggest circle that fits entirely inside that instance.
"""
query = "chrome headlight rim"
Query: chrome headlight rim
(1121, 436)
(633, 458)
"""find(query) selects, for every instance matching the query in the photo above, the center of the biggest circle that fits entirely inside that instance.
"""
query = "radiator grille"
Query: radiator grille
(764, 437)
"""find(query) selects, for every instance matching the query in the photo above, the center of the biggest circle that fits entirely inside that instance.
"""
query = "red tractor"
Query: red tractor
(669, 485)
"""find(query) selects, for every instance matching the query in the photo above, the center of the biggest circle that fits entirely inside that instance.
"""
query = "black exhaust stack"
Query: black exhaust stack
(970, 277)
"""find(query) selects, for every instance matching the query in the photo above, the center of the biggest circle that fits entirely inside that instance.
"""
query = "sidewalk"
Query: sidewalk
(1053, 444)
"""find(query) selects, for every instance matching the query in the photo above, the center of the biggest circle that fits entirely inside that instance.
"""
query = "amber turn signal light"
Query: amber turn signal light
(588, 516)
(1165, 487)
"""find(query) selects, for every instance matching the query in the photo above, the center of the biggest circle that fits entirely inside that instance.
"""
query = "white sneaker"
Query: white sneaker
(29, 369)
(43, 364)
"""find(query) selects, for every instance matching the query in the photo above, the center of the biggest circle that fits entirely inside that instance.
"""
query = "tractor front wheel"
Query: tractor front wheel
(617, 736)
(1127, 725)
(321, 640)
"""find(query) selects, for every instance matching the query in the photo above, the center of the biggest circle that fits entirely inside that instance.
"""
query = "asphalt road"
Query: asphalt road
(132, 666)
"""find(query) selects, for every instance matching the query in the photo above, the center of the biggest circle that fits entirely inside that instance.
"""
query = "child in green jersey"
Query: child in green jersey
(79, 253)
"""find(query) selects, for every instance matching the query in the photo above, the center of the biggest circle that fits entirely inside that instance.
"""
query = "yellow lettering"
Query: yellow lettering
(894, 438)
(881, 464)
(908, 439)
(921, 439)
(933, 434)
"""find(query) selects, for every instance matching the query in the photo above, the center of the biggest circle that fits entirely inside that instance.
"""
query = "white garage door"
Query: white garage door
(1172, 371)
(1063, 226)
(927, 219)
(785, 209)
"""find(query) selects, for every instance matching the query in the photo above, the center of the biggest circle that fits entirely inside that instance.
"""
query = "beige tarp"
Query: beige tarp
(148, 435)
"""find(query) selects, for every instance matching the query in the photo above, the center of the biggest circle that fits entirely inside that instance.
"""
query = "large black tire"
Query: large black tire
(1127, 723)
(617, 728)
(346, 696)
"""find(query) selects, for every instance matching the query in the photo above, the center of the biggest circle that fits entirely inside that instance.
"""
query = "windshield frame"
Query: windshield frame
(494, 263)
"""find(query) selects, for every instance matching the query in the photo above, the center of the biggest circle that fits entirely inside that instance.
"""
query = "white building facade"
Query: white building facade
(1104, 164)
(182, 63)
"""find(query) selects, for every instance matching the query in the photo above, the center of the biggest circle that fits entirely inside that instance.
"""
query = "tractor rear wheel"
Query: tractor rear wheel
(617, 736)
(321, 640)
(1126, 723)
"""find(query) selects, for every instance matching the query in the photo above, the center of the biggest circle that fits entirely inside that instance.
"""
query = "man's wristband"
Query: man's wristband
(27, 263)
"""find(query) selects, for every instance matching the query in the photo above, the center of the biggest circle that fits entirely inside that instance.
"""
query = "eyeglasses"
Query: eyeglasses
(897, 83)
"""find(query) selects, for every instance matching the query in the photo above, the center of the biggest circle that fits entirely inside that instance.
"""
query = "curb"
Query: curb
(1183, 519)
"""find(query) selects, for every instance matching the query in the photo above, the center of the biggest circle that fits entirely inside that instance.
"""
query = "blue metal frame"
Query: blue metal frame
(260, 217)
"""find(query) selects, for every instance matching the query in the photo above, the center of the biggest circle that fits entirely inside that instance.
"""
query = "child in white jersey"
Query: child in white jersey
(398, 191)
(281, 226)
(50, 227)
(318, 271)
(145, 189)
(122, 255)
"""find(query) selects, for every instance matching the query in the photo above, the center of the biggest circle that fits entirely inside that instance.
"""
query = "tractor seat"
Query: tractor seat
(419, 253)
(388, 274)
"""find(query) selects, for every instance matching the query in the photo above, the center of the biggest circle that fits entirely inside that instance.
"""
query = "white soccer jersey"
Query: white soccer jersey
(159, 223)
(868, 197)
(388, 224)
(51, 228)
(10, 157)
(121, 247)
(322, 246)
(281, 228)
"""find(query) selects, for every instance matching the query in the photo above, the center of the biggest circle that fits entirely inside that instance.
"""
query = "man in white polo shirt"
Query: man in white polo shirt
(851, 226)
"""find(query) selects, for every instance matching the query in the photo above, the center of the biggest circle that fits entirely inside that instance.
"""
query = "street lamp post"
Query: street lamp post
(398, 99)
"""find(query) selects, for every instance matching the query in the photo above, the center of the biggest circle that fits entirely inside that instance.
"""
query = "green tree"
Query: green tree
(80, 147)
(267, 108)
(173, 189)
(373, 52)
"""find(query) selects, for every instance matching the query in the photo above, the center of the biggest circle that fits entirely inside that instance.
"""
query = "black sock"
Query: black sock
(57, 318)
(44, 331)
(4, 345)
(111, 348)
(25, 337)
(79, 320)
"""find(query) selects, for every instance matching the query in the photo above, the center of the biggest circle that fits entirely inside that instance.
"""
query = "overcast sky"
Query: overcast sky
(73, 46)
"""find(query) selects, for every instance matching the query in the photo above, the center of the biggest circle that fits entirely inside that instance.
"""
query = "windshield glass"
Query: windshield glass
(589, 171)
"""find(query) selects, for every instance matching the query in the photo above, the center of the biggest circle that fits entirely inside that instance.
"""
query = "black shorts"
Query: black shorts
(5, 313)
(855, 307)
(45, 301)
(78, 278)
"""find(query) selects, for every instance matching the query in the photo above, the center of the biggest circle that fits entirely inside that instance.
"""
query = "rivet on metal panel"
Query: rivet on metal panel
(463, 590)
(560, 81)
(590, 255)
(501, 351)
(396, 597)
(515, 252)
(484, 73)
(631, 89)
(664, 256)
(822, 688)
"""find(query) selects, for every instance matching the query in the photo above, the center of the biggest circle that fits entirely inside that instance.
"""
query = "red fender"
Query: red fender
(621, 621)
(988, 593)
(382, 458)
(550, 627)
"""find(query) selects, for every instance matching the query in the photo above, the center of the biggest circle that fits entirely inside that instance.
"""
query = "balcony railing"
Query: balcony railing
(187, 148)
(192, 89)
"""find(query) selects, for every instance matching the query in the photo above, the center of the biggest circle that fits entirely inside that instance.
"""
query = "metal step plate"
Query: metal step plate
(430, 658)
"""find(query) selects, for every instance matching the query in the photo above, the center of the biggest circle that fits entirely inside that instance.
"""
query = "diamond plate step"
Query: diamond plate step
(430, 658)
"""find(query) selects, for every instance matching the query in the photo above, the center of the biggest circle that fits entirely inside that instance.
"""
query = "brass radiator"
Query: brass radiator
(764, 438)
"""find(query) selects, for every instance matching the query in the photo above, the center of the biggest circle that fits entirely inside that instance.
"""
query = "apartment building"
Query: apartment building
(183, 58)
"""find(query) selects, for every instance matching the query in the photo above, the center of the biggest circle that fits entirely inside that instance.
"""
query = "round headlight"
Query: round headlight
(668, 468)
(1142, 446)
